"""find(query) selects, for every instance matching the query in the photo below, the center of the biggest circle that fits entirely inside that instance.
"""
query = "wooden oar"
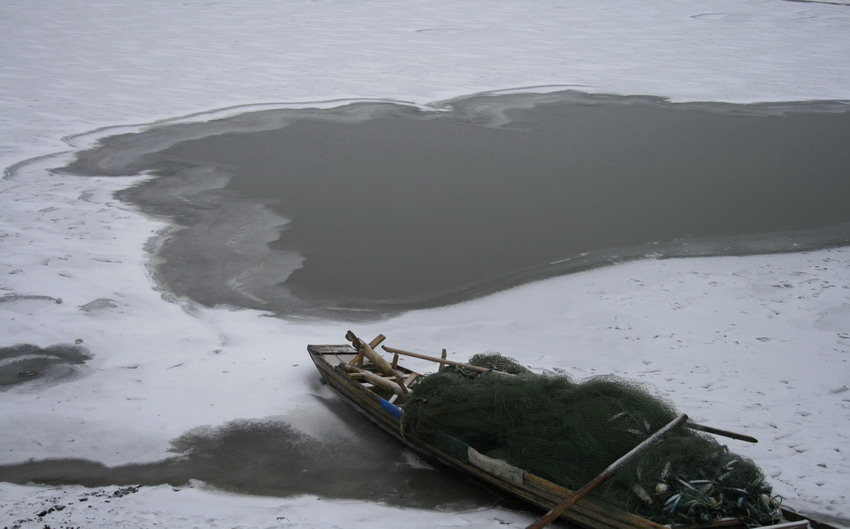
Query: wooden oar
(691, 425)
(724, 433)
(441, 360)
(562, 507)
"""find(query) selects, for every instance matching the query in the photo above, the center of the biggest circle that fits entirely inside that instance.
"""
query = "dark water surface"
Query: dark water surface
(273, 458)
(24, 363)
(379, 207)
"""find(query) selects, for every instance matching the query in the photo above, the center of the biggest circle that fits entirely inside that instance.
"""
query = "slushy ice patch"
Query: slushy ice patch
(272, 458)
(23, 363)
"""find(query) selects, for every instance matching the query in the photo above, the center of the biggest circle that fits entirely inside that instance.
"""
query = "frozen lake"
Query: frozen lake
(382, 206)
(113, 376)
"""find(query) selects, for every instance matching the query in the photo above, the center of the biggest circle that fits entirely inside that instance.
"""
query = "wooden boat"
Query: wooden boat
(379, 389)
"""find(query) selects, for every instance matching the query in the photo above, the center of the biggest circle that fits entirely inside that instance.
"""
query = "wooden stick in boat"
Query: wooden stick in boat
(441, 360)
(358, 361)
(377, 341)
(370, 353)
(559, 509)
(374, 378)
(366, 350)
(724, 433)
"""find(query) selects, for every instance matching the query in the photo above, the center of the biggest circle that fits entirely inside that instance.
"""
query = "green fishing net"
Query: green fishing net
(569, 432)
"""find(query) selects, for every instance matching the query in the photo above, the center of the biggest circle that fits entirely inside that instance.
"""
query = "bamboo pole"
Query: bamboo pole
(377, 341)
(374, 378)
(367, 351)
(370, 353)
(724, 433)
(441, 360)
(562, 507)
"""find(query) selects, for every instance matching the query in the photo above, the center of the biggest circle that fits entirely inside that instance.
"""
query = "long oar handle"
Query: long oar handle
(559, 509)
(724, 433)
(441, 360)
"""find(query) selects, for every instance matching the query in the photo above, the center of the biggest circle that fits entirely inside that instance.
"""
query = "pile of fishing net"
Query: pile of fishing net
(569, 432)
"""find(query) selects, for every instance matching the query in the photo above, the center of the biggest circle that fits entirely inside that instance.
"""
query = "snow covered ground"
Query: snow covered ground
(757, 344)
